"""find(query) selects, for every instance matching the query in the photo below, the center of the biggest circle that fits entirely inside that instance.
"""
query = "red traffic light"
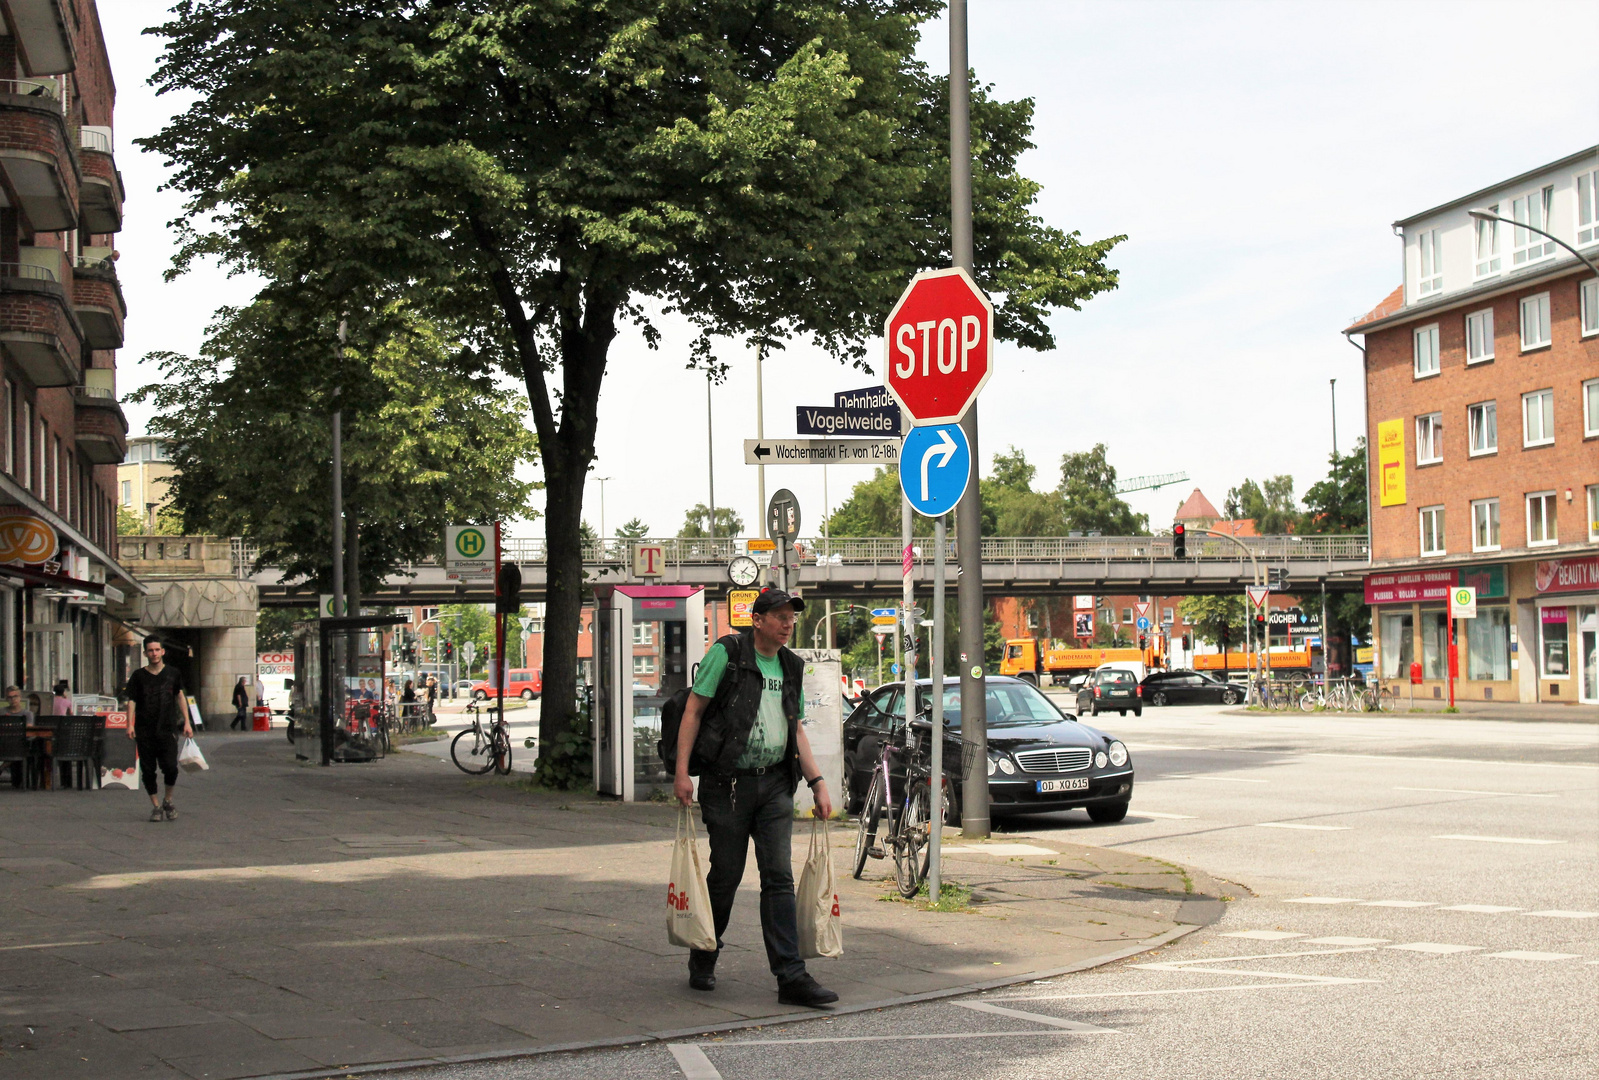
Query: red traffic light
(1179, 540)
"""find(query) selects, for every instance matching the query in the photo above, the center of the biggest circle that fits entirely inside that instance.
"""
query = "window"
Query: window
(1165, 617)
(1427, 351)
(1480, 336)
(55, 474)
(1532, 209)
(644, 665)
(1434, 644)
(1588, 291)
(1488, 645)
(1485, 525)
(1482, 428)
(1590, 407)
(27, 445)
(127, 493)
(1432, 530)
(1538, 418)
(644, 633)
(1541, 519)
(1588, 208)
(1431, 265)
(1398, 644)
(1535, 322)
(1487, 249)
(1429, 438)
(1593, 511)
(1127, 614)
(1556, 643)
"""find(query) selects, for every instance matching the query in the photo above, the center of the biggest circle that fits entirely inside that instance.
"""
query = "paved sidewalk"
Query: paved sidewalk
(298, 919)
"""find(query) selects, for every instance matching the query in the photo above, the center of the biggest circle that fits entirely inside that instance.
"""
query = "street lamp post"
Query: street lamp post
(1488, 215)
(816, 632)
(1254, 564)
(602, 480)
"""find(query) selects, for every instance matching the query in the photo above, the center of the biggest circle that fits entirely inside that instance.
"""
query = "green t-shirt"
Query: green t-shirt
(769, 734)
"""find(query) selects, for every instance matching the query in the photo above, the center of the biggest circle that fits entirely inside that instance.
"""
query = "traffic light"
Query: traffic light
(1179, 541)
(508, 600)
(1260, 628)
(449, 652)
(1188, 642)
(1143, 642)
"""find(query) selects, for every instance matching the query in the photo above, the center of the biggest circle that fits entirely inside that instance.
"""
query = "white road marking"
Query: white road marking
(1516, 954)
(1481, 909)
(1435, 947)
(1287, 979)
(1398, 903)
(997, 849)
(1263, 935)
(48, 945)
(1196, 776)
(1564, 914)
(1466, 791)
(692, 1060)
(1037, 1018)
(1348, 941)
(1056, 1033)
(1321, 900)
(1171, 817)
(1296, 825)
(1496, 839)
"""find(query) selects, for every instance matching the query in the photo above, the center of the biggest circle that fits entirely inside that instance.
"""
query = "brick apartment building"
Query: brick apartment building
(61, 315)
(1482, 412)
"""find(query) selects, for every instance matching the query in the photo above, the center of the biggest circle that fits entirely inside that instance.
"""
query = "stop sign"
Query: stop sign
(938, 346)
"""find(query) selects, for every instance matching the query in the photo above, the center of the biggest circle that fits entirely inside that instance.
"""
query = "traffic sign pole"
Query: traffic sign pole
(936, 670)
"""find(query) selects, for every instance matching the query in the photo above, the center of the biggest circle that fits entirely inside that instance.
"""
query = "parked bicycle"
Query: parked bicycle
(906, 823)
(482, 747)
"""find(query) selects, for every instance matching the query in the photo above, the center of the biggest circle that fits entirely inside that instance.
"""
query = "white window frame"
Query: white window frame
(1533, 208)
(1424, 342)
(1590, 408)
(1539, 336)
(1587, 185)
(1550, 514)
(1480, 336)
(1166, 616)
(1546, 418)
(11, 427)
(1431, 519)
(1588, 296)
(1430, 259)
(644, 664)
(127, 493)
(1429, 438)
(1488, 410)
(1127, 616)
(26, 476)
(1485, 246)
(1593, 512)
(1484, 510)
(643, 633)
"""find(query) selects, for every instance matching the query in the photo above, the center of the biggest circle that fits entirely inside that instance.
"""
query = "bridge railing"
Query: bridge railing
(996, 549)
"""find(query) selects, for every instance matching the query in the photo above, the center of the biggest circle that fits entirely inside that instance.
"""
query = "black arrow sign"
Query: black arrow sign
(762, 451)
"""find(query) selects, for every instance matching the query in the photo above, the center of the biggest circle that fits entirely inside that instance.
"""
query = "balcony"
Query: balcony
(100, 198)
(97, 299)
(102, 429)
(44, 35)
(37, 329)
(37, 162)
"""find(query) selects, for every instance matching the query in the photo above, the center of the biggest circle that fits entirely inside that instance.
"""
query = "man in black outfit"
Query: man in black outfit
(159, 712)
(241, 702)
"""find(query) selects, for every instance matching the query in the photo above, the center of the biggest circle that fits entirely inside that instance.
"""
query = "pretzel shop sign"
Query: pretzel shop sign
(25, 538)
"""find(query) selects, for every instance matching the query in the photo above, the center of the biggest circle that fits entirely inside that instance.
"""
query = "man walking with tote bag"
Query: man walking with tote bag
(751, 753)
(159, 713)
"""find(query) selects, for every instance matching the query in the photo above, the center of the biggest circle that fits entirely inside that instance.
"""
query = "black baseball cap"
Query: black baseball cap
(775, 598)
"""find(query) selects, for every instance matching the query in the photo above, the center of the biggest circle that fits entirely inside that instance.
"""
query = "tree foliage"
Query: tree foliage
(1270, 504)
(1337, 505)
(1088, 492)
(633, 529)
(763, 170)
(1210, 615)
(695, 522)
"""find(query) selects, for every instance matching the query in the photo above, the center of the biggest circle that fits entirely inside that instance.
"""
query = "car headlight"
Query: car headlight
(1118, 754)
(1100, 759)
(1006, 767)
(993, 766)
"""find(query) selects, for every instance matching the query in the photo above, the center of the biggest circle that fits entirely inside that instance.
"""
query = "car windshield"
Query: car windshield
(1006, 702)
(1117, 677)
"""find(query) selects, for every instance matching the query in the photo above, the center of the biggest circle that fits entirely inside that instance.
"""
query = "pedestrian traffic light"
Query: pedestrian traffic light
(1188, 641)
(1260, 627)
(1179, 541)
(449, 652)
(508, 595)
(1143, 642)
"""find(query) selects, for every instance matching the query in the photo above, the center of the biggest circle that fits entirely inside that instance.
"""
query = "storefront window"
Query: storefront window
(1488, 645)
(1398, 645)
(1434, 644)
(1556, 647)
(1588, 637)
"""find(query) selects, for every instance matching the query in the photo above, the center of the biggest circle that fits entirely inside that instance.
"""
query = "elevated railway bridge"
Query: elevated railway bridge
(870, 569)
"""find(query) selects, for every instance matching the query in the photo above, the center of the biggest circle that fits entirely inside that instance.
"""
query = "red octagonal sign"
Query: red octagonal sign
(938, 346)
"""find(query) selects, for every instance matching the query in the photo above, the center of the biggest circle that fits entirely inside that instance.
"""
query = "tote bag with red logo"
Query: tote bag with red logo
(821, 931)
(688, 901)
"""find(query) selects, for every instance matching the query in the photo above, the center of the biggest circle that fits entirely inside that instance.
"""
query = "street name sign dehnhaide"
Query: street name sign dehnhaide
(821, 451)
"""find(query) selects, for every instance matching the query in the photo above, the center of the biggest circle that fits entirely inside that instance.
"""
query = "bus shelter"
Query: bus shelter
(340, 687)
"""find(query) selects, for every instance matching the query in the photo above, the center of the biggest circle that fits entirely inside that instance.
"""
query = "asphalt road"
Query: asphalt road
(1417, 896)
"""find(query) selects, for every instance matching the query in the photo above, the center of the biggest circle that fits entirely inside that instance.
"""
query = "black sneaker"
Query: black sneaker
(702, 975)
(170, 811)
(157, 814)
(805, 991)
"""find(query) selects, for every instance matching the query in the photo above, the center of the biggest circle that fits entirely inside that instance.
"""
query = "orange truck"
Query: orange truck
(1028, 658)
(1238, 660)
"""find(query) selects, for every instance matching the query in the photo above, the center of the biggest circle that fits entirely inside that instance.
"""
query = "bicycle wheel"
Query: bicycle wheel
(866, 828)
(1309, 701)
(1387, 699)
(470, 752)
(502, 752)
(911, 842)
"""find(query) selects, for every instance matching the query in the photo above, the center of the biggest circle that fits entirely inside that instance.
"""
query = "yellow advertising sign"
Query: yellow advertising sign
(1391, 463)
(739, 603)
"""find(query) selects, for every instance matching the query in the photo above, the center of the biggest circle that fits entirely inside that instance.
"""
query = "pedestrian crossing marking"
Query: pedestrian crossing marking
(1436, 947)
(1518, 954)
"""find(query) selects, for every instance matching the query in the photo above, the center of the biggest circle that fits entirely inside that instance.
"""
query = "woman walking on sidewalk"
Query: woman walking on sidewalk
(241, 702)
(158, 714)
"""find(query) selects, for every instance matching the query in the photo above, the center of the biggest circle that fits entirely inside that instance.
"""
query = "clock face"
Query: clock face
(743, 570)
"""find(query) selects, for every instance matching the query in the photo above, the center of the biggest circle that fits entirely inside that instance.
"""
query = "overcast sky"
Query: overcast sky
(1255, 155)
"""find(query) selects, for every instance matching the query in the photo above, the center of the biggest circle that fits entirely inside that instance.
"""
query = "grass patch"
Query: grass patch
(952, 896)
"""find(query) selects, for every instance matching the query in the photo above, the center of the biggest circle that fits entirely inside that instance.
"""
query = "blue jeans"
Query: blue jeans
(737, 810)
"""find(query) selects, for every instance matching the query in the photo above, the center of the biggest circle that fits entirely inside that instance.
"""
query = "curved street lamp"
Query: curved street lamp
(1488, 215)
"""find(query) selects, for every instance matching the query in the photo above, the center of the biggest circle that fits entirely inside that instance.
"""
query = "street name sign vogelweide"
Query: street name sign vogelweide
(821, 451)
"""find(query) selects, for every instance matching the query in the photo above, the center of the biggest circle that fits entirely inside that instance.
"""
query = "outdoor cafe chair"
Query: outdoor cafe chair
(14, 746)
(74, 745)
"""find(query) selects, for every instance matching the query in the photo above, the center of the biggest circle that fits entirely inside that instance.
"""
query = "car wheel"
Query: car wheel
(1107, 813)
(1028, 677)
(1121, 712)
(1158, 699)
(1093, 708)
(1229, 698)
(852, 799)
(480, 695)
(527, 695)
(1138, 712)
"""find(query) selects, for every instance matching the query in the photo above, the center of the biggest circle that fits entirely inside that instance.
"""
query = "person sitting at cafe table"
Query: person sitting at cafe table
(15, 707)
(61, 702)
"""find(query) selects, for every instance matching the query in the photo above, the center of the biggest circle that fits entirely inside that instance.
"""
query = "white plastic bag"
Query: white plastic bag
(688, 901)
(821, 931)
(189, 757)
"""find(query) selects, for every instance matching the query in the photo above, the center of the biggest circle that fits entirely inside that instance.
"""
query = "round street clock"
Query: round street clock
(743, 571)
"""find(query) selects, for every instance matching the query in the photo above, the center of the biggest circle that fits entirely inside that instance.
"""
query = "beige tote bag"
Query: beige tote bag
(688, 901)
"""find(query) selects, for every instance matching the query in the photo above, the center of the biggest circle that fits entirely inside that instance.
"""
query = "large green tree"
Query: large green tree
(767, 169)
(1088, 492)
(696, 522)
(424, 442)
(1337, 505)
(1270, 504)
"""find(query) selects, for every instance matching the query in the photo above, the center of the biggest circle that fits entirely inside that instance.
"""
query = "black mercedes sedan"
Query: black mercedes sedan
(1040, 759)
(1183, 687)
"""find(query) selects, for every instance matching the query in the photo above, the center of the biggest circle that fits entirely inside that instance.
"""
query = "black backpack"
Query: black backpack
(672, 711)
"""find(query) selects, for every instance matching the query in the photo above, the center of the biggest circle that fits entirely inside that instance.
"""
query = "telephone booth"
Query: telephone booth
(647, 641)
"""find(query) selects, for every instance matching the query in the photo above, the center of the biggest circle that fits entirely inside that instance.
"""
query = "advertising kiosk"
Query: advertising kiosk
(647, 641)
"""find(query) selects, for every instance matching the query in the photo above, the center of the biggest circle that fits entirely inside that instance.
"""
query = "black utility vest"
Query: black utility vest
(725, 726)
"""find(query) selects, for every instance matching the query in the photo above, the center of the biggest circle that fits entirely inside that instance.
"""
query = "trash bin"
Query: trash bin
(262, 718)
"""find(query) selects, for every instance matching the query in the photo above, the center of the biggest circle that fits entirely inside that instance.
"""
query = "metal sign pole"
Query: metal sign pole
(907, 661)
(936, 670)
